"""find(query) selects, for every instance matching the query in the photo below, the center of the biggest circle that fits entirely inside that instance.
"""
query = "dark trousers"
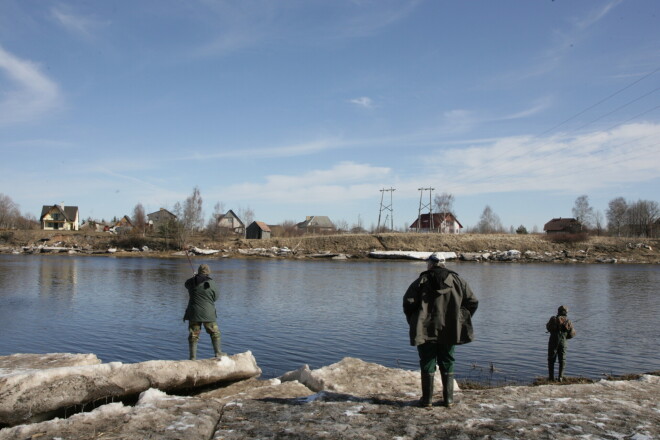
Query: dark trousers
(432, 354)
(557, 349)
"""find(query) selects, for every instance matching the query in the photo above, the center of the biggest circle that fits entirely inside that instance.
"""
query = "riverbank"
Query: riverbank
(346, 400)
(468, 247)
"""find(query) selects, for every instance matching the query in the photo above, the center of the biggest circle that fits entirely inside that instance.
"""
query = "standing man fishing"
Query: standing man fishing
(203, 293)
(438, 306)
(561, 329)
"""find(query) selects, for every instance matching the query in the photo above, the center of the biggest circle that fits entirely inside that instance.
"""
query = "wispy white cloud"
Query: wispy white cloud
(239, 25)
(301, 149)
(33, 94)
(344, 181)
(74, 23)
(538, 107)
(362, 101)
(595, 15)
(564, 40)
(575, 164)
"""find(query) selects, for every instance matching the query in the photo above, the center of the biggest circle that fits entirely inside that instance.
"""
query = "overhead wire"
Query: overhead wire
(556, 151)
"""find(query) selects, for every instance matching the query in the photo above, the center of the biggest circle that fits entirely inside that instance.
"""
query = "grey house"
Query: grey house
(230, 221)
(257, 231)
(315, 224)
(159, 218)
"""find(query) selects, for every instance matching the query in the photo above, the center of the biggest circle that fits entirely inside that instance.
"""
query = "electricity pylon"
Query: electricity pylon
(423, 205)
(384, 207)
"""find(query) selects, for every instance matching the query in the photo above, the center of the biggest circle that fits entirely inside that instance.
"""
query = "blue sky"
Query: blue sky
(304, 107)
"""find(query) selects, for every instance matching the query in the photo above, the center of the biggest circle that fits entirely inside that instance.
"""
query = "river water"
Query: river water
(290, 313)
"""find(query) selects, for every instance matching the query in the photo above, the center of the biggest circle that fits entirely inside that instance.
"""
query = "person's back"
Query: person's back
(203, 293)
(560, 329)
(438, 306)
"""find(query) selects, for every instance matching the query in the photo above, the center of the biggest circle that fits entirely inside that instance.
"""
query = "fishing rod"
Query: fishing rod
(185, 249)
(588, 316)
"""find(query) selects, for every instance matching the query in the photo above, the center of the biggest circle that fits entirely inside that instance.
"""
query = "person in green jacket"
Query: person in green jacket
(203, 293)
(560, 329)
(439, 306)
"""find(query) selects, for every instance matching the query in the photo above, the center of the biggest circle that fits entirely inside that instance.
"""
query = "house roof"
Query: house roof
(263, 226)
(438, 218)
(316, 221)
(559, 224)
(125, 219)
(161, 210)
(231, 214)
(69, 212)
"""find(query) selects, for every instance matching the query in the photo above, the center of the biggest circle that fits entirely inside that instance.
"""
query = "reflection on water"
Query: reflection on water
(290, 313)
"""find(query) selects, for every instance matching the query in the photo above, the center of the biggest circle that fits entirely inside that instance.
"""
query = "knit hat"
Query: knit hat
(435, 258)
(203, 269)
(562, 310)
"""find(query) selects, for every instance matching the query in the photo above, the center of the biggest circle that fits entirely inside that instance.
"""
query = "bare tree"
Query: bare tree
(583, 212)
(598, 222)
(290, 228)
(358, 227)
(193, 216)
(616, 215)
(341, 226)
(444, 203)
(641, 216)
(212, 227)
(246, 215)
(489, 222)
(9, 212)
(139, 219)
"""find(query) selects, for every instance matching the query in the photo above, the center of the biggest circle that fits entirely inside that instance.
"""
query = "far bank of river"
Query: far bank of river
(468, 247)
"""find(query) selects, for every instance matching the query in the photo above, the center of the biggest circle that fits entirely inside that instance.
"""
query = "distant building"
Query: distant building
(442, 222)
(124, 224)
(315, 224)
(160, 218)
(257, 231)
(562, 226)
(231, 222)
(59, 217)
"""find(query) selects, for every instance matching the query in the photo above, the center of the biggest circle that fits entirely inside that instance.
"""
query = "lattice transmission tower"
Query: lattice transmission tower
(422, 206)
(384, 207)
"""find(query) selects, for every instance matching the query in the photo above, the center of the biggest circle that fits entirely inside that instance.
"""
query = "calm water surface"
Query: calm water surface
(290, 313)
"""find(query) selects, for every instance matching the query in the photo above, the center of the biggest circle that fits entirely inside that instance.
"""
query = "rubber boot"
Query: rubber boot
(560, 376)
(192, 347)
(216, 347)
(427, 390)
(551, 371)
(447, 389)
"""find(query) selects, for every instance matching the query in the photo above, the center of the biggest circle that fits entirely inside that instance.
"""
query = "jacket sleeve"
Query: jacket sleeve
(470, 301)
(411, 300)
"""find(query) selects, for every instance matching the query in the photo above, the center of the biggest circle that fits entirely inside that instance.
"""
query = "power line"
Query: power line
(599, 102)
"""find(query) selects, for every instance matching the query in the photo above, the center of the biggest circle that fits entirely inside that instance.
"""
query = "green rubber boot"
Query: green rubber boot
(192, 347)
(551, 371)
(447, 389)
(427, 390)
(216, 346)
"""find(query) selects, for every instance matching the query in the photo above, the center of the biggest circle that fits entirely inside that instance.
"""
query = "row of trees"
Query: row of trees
(624, 218)
(11, 217)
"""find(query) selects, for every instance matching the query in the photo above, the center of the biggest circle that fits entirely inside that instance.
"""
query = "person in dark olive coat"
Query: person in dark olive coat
(201, 310)
(439, 306)
(561, 329)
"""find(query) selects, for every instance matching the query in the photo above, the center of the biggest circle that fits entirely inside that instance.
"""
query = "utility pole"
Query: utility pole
(384, 207)
(423, 205)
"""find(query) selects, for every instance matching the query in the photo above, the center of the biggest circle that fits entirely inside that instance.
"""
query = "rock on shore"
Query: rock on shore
(355, 399)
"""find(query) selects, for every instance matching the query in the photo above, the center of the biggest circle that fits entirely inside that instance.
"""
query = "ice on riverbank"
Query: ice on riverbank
(357, 399)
